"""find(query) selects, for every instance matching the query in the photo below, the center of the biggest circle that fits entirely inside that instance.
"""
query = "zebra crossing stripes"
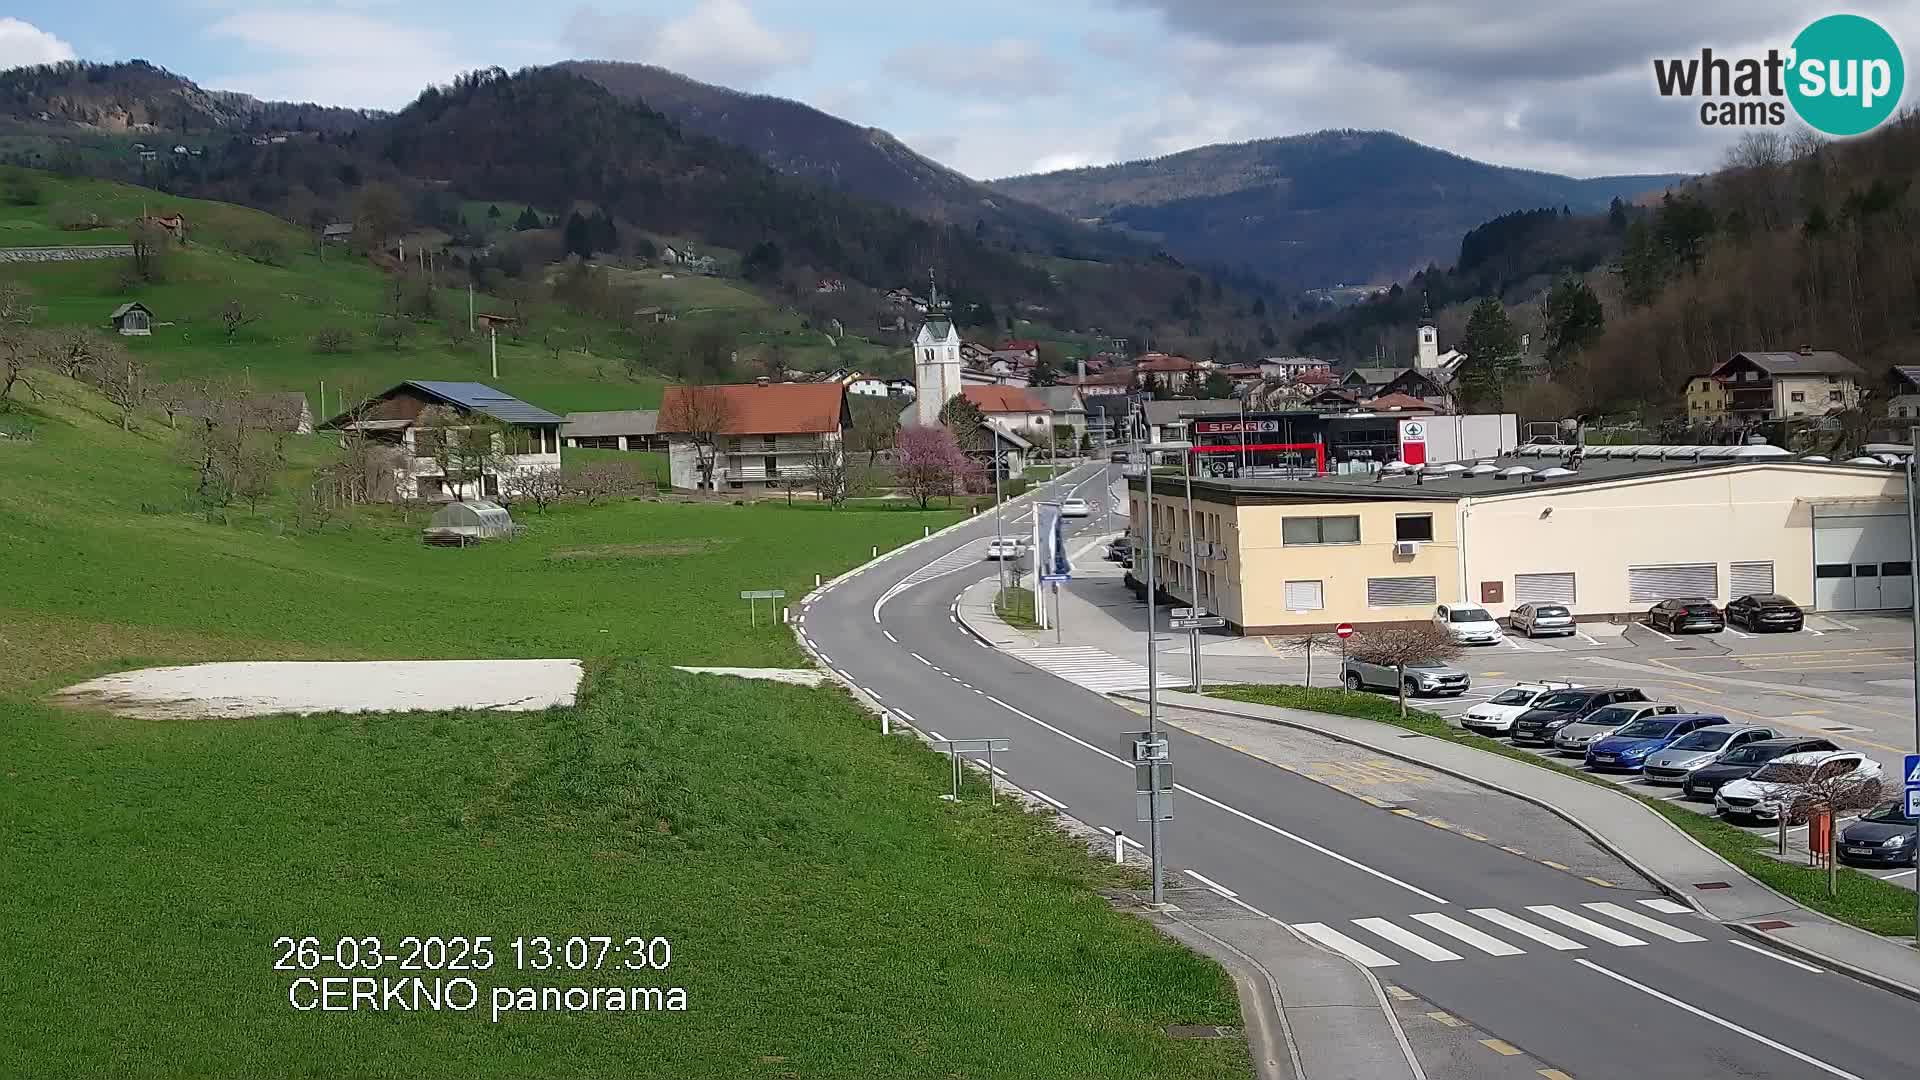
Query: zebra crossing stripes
(1472, 939)
(1095, 669)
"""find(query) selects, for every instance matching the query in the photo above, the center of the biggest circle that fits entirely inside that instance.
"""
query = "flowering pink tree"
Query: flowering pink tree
(929, 463)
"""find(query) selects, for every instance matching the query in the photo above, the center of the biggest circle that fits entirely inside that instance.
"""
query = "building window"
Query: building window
(1296, 531)
(1833, 380)
(1413, 527)
(1833, 395)
(1401, 591)
(772, 465)
(1797, 395)
(1305, 595)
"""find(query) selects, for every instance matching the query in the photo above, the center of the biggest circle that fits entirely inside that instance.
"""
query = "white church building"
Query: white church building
(937, 371)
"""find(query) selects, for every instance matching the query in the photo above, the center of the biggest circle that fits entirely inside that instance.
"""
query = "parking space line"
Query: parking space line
(1897, 874)
(1654, 632)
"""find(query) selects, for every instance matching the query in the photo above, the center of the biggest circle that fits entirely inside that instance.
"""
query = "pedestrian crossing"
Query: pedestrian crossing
(1095, 669)
(1551, 925)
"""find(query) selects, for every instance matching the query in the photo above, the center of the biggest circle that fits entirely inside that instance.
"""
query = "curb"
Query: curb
(1260, 1009)
(1858, 974)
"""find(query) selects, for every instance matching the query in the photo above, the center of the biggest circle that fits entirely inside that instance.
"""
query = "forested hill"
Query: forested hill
(135, 95)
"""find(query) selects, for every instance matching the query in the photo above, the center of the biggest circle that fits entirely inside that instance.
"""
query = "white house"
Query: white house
(750, 436)
(1013, 408)
(531, 441)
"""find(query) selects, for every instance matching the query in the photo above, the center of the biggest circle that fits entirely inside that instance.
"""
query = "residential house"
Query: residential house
(1108, 417)
(531, 441)
(867, 386)
(1242, 374)
(751, 435)
(974, 354)
(1172, 372)
(1371, 382)
(172, 225)
(900, 388)
(1292, 367)
(1027, 350)
(1332, 397)
(132, 319)
(1707, 400)
(671, 254)
(655, 315)
(830, 285)
(1397, 402)
(1782, 385)
(633, 429)
(1065, 405)
(339, 232)
(1903, 393)
(1013, 408)
(1116, 382)
(1168, 421)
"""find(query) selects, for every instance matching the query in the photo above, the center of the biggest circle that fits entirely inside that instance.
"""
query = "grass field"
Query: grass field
(829, 917)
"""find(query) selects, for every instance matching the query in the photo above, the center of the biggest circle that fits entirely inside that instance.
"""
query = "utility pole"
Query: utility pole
(1193, 576)
(1913, 541)
(1156, 844)
(999, 517)
(469, 307)
(493, 346)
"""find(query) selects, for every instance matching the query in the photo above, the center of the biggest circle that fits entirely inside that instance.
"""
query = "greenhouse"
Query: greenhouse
(458, 524)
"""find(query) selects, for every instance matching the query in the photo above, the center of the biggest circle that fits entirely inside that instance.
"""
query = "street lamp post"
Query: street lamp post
(1913, 554)
(1193, 575)
(999, 517)
(1156, 848)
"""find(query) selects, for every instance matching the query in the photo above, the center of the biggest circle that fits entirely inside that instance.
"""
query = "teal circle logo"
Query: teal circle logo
(1846, 75)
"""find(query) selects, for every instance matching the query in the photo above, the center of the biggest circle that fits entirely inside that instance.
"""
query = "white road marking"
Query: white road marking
(1218, 805)
(827, 658)
(1345, 946)
(922, 659)
(1048, 799)
(1585, 925)
(1841, 625)
(937, 737)
(1643, 922)
(890, 636)
(1895, 874)
(1649, 629)
(1454, 928)
(1735, 633)
(1211, 884)
(1666, 906)
(1407, 940)
(1526, 929)
(1771, 955)
(1831, 1070)
(1816, 633)
(907, 716)
(874, 694)
(1586, 638)
(1094, 669)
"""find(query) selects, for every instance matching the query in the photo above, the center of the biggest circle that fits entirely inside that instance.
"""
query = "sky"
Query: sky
(1003, 87)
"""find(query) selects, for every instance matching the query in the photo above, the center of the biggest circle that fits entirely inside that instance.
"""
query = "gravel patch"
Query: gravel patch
(264, 688)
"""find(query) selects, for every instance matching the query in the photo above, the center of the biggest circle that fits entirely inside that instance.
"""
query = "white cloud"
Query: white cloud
(1007, 69)
(335, 57)
(23, 44)
(720, 41)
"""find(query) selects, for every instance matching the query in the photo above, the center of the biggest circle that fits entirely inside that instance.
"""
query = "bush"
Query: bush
(20, 188)
(74, 217)
(392, 332)
(265, 250)
(329, 340)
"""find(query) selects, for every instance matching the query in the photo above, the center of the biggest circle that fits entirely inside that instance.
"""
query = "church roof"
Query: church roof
(937, 328)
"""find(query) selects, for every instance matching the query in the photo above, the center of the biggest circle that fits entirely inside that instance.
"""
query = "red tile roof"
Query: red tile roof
(1020, 346)
(753, 409)
(1003, 399)
(1398, 401)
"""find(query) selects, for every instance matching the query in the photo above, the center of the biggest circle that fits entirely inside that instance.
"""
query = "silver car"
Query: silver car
(1533, 620)
(1703, 747)
(1434, 679)
(1576, 737)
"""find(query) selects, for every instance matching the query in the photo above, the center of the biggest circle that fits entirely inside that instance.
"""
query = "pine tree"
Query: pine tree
(1574, 318)
(1492, 345)
(606, 237)
(493, 213)
(579, 237)
(527, 220)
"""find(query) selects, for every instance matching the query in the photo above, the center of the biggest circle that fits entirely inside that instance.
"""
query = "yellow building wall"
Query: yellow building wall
(1749, 514)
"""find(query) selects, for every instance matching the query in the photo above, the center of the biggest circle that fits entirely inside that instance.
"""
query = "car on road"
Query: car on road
(1764, 795)
(1495, 715)
(1562, 707)
(1420, 679)
(1744, 761)
(1697, 750)
(1120, 457)
(1882, 837)
(1765, 611)
(1573, 739)
(1120, 550)
(1074, 508)
(1537, 620)
(1630, 747)
(1686, 617)
(1467, 624)
(1006, 547)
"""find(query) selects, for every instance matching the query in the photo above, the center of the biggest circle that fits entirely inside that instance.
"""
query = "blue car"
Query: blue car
(1627, 750)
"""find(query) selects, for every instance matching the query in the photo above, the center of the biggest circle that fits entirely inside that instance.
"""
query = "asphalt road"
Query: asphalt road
(1310, 856)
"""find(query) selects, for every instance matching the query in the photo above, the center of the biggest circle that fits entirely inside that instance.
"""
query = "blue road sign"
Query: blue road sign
(1913, 771)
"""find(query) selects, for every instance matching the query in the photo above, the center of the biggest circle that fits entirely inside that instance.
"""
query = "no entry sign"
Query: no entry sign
(1344, 630)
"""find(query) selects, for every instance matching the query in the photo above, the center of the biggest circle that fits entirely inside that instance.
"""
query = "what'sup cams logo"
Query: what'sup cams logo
(1843, 75)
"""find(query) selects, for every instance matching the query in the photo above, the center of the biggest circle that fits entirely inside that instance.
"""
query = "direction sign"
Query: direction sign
(1913, 771)
(1148, 745)
(1186, 612)
(1204, 622)
(1913, 802)
(1343, 631)
(764, 594)
(972, 746)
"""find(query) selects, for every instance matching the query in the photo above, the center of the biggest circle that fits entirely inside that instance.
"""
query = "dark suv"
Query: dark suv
(1743, 761)
(1541, 723)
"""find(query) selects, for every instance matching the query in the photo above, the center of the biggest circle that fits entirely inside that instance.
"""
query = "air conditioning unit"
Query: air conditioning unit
(1406, 547)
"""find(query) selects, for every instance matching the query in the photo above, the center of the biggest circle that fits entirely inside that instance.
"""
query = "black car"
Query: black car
(1562, 707)
(1743, 761)
(1120, 457)
(1683, 616)
(1765, 611)
(1881, 838)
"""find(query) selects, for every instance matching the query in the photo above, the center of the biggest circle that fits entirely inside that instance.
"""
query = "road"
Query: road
(1501, 942)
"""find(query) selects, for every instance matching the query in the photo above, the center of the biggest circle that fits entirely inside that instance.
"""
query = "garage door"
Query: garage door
(1543, 588)
(1749, 577)
(1861, 562)
(1648, 584)
(1400, 591)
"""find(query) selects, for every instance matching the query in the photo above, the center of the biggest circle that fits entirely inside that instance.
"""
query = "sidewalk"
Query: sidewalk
(1624, 826)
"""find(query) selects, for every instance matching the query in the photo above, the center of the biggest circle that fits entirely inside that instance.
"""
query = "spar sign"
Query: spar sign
(1413, 442)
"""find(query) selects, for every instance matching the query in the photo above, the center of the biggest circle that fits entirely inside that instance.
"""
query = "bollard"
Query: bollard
(876, 551)
(885, 727)
(926, 531)
(1119, 847)
(786, 616)
(816, 581)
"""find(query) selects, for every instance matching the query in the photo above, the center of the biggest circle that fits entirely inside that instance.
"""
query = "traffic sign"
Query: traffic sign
(1343, 631)
(1148, 745)
(1913, 802)
(764, 594)
(1913, 771)
(1186, 612)
(1204, 622)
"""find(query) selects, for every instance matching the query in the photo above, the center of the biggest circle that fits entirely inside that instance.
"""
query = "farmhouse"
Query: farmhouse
(635, 429)
(430, 469)
(749, 436)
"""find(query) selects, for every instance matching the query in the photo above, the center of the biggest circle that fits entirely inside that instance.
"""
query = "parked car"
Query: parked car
(1434, 679)
(1882, 837)
(1468, 624)
(1630, 747)
(1765, 611)
(1074, 508)
(1697, 750)
(1740, 763)
(1686, 616)
(1535, 620)
(1120, 457)
(1573, 739)
(1539, 724)
(1005, 547)
(1763, 796)
(1120, 550)
(1495, 715)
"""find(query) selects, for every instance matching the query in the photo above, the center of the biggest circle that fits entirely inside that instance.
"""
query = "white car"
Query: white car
(1762, 795)
(1495, 716)
(1074, 508)
(1005, 547)
(1469, 624)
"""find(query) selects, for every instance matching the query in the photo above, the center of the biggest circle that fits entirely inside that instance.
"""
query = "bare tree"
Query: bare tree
(825, 472)
(701, 413)
(173, 399)
(73, 350)
(149, 242)
(1806, 792)
(1304, 644)
(21, 348)
(1402, 645)
(468, 446)
(234, 445)
(541, 487)
(876, 423)
(122, 380)
(235, 316)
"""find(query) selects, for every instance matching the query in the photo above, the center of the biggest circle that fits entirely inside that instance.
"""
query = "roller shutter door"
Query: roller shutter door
(1543, 588)
(1401, 591)
(1749, 577)
(1304, 596)
(1649, 584)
